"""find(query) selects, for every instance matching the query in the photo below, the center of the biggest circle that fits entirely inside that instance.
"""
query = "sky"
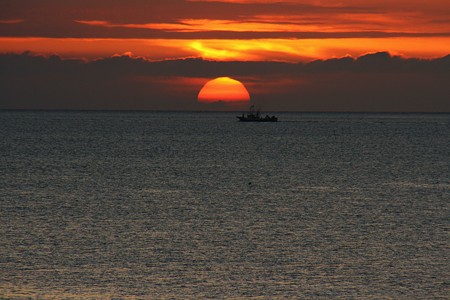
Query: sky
(292, 55)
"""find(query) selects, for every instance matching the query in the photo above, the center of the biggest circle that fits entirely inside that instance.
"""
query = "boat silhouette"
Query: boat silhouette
(255, 116)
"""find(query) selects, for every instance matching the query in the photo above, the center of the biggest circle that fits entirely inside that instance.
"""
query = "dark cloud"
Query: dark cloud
(144, 11)
(72, 29)
(56, 18)
(374, 82)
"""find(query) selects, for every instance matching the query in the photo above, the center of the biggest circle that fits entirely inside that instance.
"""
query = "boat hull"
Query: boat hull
(246, 119)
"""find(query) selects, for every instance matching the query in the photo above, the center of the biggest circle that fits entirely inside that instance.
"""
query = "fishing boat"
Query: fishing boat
(255, 116)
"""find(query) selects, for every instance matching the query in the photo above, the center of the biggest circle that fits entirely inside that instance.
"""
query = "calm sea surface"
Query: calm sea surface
(197, 205)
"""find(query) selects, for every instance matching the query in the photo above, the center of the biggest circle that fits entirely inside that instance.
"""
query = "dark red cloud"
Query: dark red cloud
(376, 82)
(55, 18)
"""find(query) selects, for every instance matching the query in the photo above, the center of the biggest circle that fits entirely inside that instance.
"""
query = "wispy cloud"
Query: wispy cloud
(341, 22)
(14, 21)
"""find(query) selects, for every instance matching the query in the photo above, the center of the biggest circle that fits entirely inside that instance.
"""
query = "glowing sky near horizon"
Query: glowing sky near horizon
(251, 30)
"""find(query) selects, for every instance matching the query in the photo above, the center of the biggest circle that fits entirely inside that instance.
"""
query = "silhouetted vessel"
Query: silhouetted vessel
(253, 116)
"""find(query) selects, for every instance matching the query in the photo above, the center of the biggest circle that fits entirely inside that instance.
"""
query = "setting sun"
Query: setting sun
(223, 89)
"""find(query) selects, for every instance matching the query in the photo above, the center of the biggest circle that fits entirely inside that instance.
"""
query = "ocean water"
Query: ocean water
(154, 205)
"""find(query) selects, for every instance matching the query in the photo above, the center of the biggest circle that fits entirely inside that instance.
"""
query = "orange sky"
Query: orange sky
(254, 30)
(292, 55)
(228, 50)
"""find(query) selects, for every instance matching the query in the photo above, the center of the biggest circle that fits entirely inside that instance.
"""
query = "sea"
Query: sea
(196, 205)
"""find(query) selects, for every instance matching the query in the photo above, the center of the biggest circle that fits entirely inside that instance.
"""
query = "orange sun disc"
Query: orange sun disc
(223, 89)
